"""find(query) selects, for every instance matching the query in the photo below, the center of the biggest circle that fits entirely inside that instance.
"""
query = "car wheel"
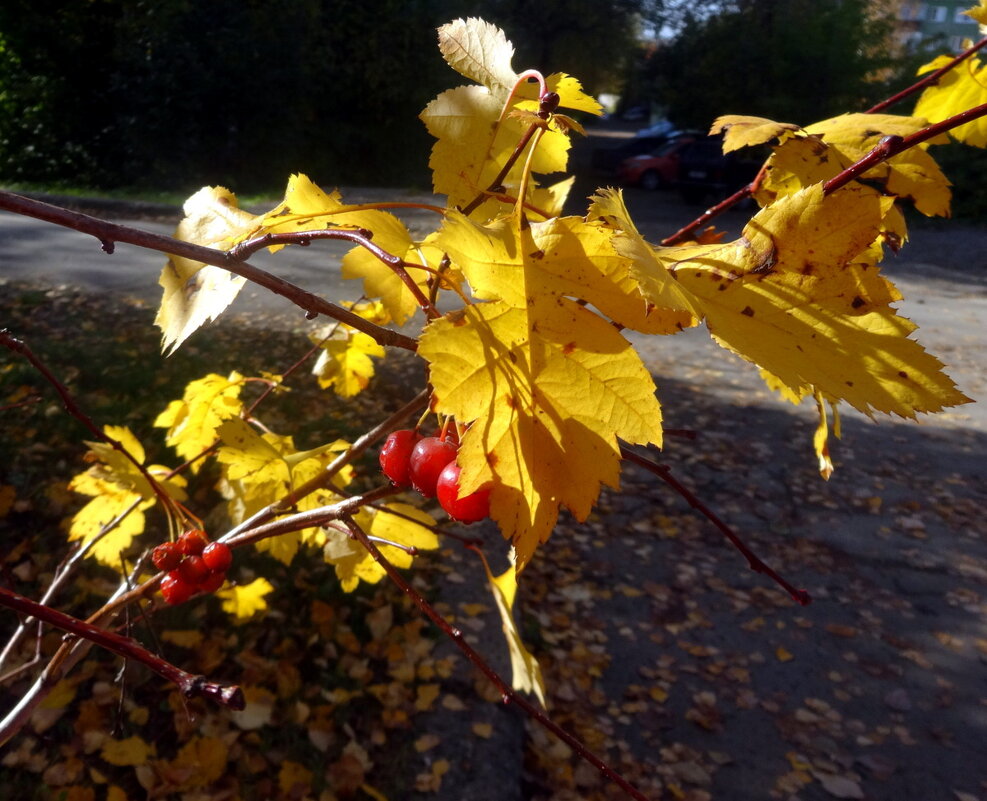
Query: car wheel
(651, 180)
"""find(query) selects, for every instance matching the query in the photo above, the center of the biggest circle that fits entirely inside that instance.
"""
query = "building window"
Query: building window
(937, 14)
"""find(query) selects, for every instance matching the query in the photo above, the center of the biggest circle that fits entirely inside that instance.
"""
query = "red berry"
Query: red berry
(166, 556)
(193, 541)
(213, 582)
(175, 590)
(468, 509)
(428, 458)
(193, 570)
(218, 557)
(395, 456)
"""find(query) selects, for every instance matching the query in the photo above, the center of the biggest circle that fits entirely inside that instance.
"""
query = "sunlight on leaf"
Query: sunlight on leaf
(243, 601)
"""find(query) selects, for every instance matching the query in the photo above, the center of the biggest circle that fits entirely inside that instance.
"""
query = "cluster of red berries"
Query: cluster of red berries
(429, 465)
(194, 565)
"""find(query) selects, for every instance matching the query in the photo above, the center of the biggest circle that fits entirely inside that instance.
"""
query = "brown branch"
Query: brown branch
(359, 236)
(891, 146)
(740, 194)
(190, 685)
(753, 560)
(928, 80)
(73, 408)
(108, 233)
(506, 691)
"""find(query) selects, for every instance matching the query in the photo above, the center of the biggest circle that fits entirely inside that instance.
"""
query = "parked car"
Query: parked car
(705, 170)
(607, 159)
(658, 169)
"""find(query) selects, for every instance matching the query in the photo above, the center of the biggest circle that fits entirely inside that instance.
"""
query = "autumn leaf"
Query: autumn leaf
(548, 390)
(131, 751)
(409, 527)
(196, 293)
(474, 138)
(525, 671)
(963, 87)
(119, 491)
(740, 131)
(243, 601)
(479, 51)
(192, 422)
(203, 759)
(789, 296)
(830, 146)
(345, 362)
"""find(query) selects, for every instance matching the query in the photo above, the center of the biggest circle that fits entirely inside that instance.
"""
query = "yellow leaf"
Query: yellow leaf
(782, 654)
(978, 13)
(474, 140)
(677, 309)
(525, 670)
(244, 600)
(294, 779)
(205, 760)
(739, 131)
(379, 280)
(962, 88)
(549, 388)
(479, 51)
(345, 361)
(7, 496)
(248, 454)
(61, 696)
(912, 174)
(195, 293)
(820, 440)
(788, 296)
(353, 563)
(193, 421)
(110, 501)
(115, 467)
(562, 257)
(132, 752)
(482, 730)
(183, 638)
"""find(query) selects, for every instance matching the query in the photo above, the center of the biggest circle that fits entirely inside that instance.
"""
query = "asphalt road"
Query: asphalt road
(876, 691)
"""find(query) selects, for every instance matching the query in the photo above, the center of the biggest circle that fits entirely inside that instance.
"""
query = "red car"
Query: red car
(658, 169)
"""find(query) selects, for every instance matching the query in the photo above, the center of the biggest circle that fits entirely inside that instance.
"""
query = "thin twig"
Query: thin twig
(190, 685)
(507, 692)
(928, 80)
(753, 560)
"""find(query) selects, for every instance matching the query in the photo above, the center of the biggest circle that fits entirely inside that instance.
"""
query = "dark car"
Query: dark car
(706, 171)
(609, 158)
(659, 168)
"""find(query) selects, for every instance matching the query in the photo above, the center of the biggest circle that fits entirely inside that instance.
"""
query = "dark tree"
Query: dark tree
(791, 60)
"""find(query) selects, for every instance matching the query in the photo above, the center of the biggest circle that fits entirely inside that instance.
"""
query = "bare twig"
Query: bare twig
(753, 560)
(928, 80)
(506, 691)
(190, 685)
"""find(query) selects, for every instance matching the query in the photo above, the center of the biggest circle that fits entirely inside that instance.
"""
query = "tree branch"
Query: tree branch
(108, 233)
(506, 691)
(753, 560)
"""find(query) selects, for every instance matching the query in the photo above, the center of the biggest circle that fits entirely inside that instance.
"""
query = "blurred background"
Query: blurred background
(166, 96)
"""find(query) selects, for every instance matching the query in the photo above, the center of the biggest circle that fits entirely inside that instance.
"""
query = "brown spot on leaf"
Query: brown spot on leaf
(857, 302)
(903, 374)
(748, 311)
(568, 348)
(492, 459)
